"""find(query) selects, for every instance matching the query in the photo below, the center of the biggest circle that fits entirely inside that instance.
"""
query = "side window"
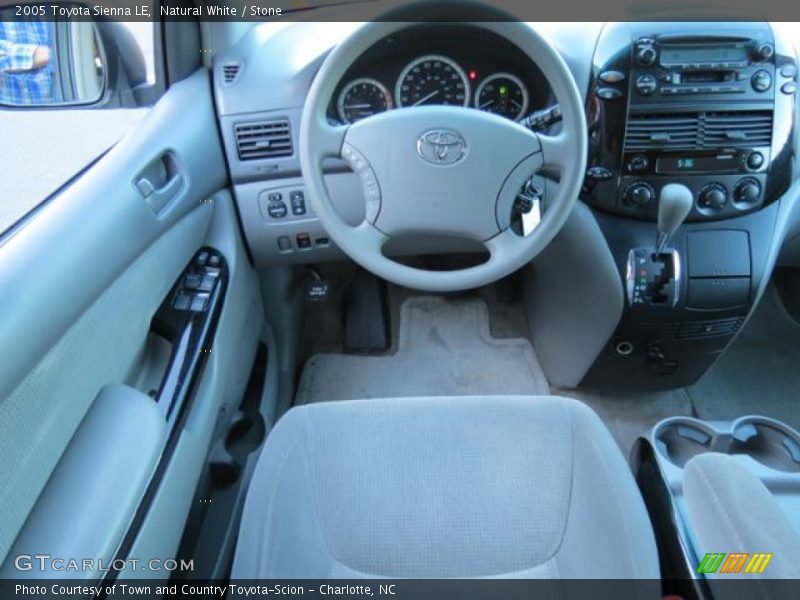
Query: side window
(69, 90)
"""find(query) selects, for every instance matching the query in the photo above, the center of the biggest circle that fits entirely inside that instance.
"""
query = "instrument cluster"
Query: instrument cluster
(460, 66)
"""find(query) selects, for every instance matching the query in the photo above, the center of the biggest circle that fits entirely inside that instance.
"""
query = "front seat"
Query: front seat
(521, 487)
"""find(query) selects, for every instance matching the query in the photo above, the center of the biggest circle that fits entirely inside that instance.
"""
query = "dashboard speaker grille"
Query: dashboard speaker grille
(682, 131)
(263, 139)
(230, 71)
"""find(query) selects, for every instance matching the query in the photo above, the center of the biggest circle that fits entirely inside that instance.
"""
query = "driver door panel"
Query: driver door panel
(82, 280)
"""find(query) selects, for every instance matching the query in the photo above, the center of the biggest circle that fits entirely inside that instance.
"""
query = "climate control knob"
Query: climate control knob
(747, 193)
(713, 197)
(639, 194)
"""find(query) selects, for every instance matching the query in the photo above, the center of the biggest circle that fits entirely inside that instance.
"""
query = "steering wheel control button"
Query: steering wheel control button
(789, 88)
(369, 182)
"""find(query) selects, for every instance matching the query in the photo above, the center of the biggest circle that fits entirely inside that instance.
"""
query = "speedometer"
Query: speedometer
(362, 98)
(432, 79)
(503, 94)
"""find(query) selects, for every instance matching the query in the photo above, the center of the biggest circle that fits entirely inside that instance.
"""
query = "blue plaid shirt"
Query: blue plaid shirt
(20, 82)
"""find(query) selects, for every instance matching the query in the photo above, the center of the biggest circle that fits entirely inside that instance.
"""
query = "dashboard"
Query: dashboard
(711, 107)
(441, 65)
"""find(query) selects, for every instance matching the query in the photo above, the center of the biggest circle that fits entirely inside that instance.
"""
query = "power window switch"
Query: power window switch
(199, 302)
(208, 283)
(182, 302)
(193, 281)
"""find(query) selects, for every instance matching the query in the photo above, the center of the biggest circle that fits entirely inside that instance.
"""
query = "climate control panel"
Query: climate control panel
(719, 196)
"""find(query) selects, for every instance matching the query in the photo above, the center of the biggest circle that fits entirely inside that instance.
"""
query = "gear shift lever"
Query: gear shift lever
(674, 204)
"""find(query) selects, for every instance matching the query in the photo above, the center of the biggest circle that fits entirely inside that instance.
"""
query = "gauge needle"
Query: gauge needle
(351, 106)
(485, 104)
(426, 98)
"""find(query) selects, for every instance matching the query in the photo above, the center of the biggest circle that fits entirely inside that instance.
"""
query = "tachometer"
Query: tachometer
(362, 98)
(503, 94)
(432, 79)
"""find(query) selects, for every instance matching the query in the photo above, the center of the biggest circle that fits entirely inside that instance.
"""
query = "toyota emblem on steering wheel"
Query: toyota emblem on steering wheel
(441, 146)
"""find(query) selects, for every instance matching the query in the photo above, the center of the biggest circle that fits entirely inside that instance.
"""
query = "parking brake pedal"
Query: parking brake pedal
(366, 315)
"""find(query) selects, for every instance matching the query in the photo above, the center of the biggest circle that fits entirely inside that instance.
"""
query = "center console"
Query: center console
(707, 109)
(711, 109)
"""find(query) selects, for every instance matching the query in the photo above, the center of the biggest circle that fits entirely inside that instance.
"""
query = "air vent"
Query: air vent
(230, 71)
(738, 129)
(678, 131)
(681, 131)
(264, 139)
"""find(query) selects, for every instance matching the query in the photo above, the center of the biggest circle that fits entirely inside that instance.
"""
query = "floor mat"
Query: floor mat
(759, 373)
(629, 415)
(444, 348)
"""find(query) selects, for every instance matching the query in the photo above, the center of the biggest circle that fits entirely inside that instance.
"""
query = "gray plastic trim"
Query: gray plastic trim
(90, 499)
(51, 272)
(573, 299)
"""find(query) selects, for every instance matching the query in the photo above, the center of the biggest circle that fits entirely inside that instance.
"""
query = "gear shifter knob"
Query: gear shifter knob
(674, 205)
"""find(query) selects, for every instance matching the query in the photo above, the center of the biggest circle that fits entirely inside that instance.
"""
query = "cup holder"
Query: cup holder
(680, 439)
(245, 435)
(768, 442)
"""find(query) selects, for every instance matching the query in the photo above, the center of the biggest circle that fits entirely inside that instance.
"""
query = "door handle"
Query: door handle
(160, 181)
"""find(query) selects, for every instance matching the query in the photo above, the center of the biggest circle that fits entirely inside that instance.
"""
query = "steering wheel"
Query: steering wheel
(442, 170)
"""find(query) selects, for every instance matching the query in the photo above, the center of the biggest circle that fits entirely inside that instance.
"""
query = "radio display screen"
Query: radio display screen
(672, 55)
(720, 163)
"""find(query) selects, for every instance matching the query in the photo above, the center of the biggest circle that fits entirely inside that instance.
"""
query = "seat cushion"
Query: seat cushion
(441, 488)
(732, 511)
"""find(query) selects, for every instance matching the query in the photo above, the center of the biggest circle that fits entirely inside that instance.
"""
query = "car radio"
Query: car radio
(709, 108)
(674, 68)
